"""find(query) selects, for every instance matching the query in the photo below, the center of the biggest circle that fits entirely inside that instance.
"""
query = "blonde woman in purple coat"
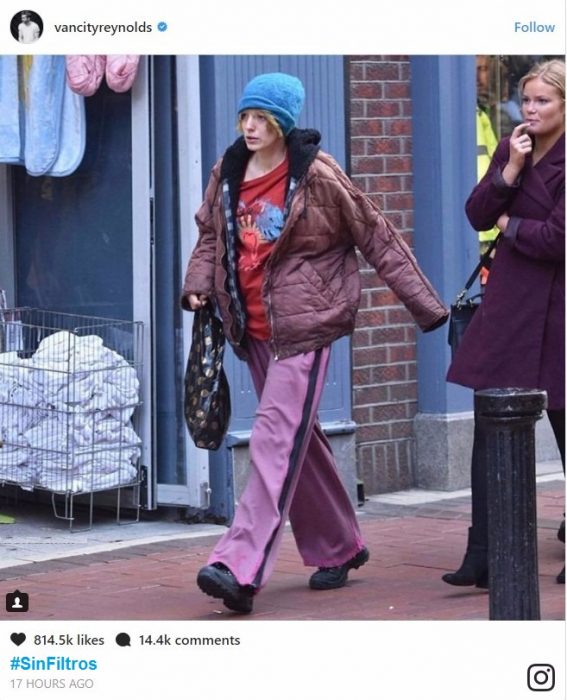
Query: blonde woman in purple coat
(517, 339)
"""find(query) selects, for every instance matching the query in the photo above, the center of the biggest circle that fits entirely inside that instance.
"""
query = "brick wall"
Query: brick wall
(384, 356)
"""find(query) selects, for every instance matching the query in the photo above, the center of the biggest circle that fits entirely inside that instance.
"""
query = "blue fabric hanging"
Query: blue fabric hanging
(73, 135)
(10, 142)
(43, 88)
(50, 117)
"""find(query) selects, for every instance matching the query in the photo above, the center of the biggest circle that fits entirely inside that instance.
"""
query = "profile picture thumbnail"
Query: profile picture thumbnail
(26, 26)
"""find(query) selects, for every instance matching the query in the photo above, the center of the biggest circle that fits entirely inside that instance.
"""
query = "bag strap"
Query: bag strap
(483, 262)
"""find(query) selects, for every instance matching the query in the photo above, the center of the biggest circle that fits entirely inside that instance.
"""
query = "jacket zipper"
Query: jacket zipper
(271, 315)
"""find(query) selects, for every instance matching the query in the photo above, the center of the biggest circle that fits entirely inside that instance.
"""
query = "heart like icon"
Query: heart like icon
(18, 638)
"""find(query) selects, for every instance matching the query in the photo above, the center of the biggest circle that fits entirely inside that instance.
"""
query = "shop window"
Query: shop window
(497, 79)
(498, 113)
(73, 234)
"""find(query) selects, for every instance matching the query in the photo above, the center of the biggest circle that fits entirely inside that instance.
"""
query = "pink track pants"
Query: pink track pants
(293, 474)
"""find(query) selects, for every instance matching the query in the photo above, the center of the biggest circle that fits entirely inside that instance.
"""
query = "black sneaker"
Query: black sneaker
(218, 581)
(326, 578)
(561, 532)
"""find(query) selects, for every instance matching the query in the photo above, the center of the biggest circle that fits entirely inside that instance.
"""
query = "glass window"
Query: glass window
(69, 257)
(497, 79)
(498, 113)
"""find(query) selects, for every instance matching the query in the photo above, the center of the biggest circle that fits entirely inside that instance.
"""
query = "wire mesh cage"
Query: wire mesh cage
(69, 394)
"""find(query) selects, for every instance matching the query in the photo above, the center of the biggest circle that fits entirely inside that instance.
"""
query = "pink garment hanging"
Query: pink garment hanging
(85, 73)
(121, 72)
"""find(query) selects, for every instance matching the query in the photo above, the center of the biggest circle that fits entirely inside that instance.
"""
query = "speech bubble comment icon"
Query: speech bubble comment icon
(123, 639)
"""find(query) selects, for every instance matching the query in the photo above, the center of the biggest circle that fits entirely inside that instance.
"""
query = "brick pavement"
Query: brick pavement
(410, 547)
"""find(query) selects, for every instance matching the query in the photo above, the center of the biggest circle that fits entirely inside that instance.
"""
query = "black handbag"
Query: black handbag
(207, 394)
(465, 307)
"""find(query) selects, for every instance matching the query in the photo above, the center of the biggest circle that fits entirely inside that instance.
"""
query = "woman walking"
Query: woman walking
(276, 255)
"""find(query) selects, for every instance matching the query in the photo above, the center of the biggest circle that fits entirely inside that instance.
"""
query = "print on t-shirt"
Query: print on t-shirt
(259, 224)
(259, 220)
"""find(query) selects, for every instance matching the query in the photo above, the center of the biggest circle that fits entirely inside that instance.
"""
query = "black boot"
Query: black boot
(327, 577)
(218, 581)
(474, 569)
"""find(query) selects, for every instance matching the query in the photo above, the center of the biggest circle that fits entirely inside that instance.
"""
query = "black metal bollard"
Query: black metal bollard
(506, 419)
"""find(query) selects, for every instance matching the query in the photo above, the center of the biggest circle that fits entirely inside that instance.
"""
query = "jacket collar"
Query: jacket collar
(542, 180)
(556, 153)
(302, 147)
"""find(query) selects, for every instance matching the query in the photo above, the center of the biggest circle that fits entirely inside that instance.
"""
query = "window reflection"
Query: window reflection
(497, 114)
(497, 79)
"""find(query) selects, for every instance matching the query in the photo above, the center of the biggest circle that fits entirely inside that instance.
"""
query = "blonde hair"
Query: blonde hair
(551, 72)
(272, 121)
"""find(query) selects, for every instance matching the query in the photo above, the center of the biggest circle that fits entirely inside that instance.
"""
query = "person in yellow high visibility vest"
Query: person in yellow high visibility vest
(486, 143)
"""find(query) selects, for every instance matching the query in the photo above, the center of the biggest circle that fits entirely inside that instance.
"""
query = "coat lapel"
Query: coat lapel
(540, 182)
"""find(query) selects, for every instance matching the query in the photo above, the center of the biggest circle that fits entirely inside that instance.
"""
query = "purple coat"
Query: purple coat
(517, 337)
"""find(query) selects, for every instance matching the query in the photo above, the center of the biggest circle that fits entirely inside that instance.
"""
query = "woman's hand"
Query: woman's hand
(502, 222)
(197, 301)
(520, 146)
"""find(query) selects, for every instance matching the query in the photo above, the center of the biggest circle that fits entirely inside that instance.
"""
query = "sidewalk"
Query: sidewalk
(147, 571)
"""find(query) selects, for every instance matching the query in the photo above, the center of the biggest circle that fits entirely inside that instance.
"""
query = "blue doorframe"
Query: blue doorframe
(444, 164)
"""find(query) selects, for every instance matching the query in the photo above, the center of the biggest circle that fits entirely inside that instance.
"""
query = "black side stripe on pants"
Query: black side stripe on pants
(293, 457)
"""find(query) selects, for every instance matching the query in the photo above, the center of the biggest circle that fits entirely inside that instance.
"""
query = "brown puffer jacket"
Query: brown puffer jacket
(312, 283)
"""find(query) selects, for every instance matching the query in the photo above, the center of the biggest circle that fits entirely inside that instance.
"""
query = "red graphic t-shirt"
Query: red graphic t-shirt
(259, 222)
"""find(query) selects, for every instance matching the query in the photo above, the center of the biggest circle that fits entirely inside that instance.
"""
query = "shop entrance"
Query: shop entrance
(105, 241)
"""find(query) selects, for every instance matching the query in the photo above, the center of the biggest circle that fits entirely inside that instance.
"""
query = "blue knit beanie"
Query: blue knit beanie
(278, 93)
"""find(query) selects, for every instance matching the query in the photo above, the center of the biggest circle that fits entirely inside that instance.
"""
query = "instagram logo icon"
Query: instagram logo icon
(541, 677)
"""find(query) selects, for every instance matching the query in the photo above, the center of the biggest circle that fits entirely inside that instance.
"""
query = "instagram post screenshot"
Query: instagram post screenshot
(282, 351)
